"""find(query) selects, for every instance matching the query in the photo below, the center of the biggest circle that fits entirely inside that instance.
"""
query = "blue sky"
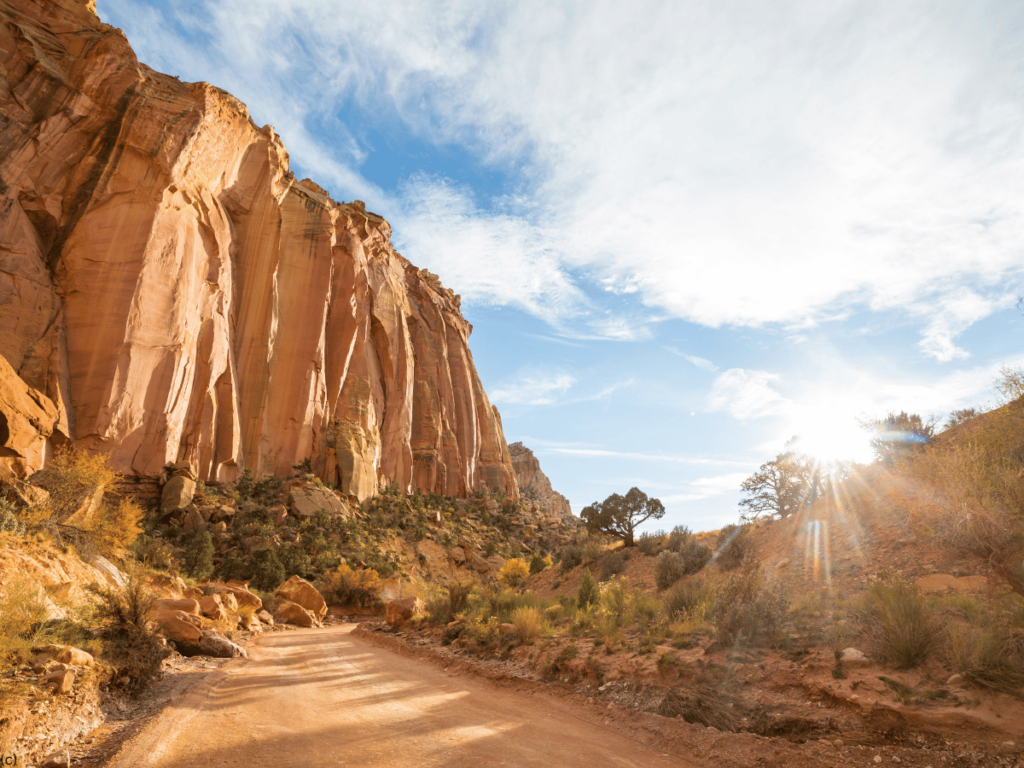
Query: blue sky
(683, 231)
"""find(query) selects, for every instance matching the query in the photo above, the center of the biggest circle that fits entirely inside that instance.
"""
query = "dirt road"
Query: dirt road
(325, 697)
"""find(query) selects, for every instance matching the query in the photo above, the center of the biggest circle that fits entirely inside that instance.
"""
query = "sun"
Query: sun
(830, 436)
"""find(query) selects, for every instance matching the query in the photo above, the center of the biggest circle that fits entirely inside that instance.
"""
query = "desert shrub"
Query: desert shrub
(438, 609)
(592, 548)
(458, 595)
(554, 612)
(644, 606)
(615, 600)
(671, 566)
(677, 538)
(588, 593)
(75, 509)
(265, 569)
(197, 561)
(902, 625)
(689, 598)
(648, 543)
(571, 556)
(349, 586)
(23, 611)
(153, 552)
(539, 563)
(527, 621)
(123, 618)
(749, 609)
(513, 571)
(612, 564)
(490, 548)
(9, 522)
(735, 544)
(992, 656)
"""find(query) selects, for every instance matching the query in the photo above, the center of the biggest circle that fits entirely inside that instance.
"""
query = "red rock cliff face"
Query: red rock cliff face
(176, 294)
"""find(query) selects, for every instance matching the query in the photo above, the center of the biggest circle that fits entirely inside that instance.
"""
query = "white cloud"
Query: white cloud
(747, 394)
(534, 388)
(700, 362)
(729, 164)
(705, 487)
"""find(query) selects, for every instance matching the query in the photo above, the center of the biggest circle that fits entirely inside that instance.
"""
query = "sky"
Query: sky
(684, 231)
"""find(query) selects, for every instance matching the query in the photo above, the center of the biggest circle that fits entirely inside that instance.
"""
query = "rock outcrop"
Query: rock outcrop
(174, 293)
(535, 487)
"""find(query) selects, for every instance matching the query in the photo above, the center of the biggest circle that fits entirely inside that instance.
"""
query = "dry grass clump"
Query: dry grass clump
(749, 608)
(900, 622)
(705, 703)
(990, 654)
(528, 624)
(349, 586)
(23, 614)
(689, 599)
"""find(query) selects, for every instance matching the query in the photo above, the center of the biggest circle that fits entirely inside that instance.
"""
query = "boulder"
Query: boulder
(398, 612)
(193, 593)
(179, 628)
(432, 554)
(279, 513)
(213, 643)
(854, 657)
(61, 681)
(306, 502)
(111, 575)
(300, 591)
(506, 629)
(212, 607)
(265, 617)
(288, 612)
(185, 606)
(177, 493)
(239, 591)
(64, 654)
(458, 555)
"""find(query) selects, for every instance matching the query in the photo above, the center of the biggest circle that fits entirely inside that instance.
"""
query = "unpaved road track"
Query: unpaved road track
(317, 698)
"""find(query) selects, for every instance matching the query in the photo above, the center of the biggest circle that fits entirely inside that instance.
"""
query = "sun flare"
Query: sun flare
(829, 436)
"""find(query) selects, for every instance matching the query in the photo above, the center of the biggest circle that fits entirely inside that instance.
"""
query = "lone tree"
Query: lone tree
(779, 487)
(619, 516)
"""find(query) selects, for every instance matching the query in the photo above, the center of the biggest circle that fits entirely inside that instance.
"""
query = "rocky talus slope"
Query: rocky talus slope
(170, 292)
(535, 486)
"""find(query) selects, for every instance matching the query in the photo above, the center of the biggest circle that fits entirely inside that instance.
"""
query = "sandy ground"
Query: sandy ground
(325, 697)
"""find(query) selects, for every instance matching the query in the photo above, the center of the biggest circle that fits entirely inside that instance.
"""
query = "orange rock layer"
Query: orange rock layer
(174, 293)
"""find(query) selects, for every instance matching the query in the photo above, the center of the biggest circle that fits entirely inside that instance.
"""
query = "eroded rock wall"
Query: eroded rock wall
(178, 295)
(535, 487)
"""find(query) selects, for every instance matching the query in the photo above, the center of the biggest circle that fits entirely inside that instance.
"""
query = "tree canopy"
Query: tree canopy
(619, 516)
(899, 433)
(778, 488)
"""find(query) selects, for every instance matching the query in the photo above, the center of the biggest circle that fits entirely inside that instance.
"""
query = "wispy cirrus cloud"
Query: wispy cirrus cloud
(602, 453)
(534, 388)
(700, 362)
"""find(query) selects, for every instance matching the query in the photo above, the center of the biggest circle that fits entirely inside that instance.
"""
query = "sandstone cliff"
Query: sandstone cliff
(535, 487)
(174, 294)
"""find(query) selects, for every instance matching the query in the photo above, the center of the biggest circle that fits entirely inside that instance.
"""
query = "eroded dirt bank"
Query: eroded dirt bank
(327, 698)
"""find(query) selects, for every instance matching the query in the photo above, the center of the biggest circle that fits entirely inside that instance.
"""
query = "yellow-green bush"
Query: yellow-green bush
(514, 571)
(349, 586)
(901, 623)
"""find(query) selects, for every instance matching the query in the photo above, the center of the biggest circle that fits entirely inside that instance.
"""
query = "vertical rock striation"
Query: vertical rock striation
(535, 487)
(177, 295)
